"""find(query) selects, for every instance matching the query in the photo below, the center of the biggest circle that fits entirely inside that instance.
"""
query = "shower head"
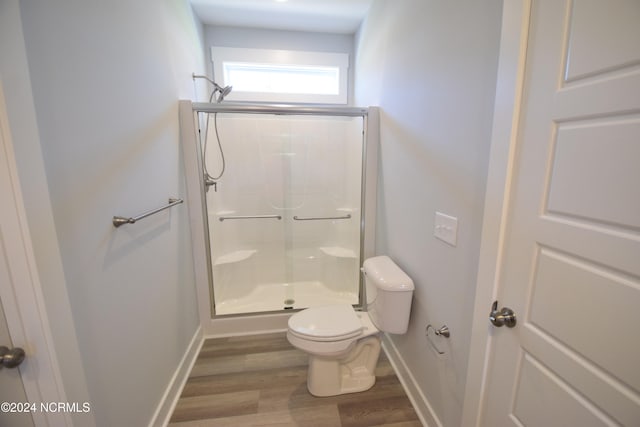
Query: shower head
(223, 92)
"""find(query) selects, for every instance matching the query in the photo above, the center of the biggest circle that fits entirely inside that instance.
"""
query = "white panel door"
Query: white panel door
(571, 271)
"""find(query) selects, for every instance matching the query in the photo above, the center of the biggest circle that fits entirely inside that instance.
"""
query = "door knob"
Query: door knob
(504, 316)
(11, 358)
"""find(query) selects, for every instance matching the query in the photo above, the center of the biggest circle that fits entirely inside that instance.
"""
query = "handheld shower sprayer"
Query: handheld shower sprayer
(209, 180)
(222, 91)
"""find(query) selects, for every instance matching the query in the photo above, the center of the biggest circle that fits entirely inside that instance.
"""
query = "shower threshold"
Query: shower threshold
(284, 296)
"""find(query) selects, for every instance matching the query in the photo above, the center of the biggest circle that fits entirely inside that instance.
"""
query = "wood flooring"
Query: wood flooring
(260, 380)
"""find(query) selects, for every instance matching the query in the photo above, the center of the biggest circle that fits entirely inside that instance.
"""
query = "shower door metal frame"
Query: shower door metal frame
(368, 190)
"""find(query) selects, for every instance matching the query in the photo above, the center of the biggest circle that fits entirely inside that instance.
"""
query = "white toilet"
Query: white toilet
(344, 344)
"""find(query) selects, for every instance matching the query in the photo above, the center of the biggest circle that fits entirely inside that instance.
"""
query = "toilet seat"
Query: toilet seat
(328, 323)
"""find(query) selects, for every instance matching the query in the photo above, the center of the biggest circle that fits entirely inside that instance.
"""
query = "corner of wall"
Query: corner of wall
(170, 397)
(430, 66)
(427, 415)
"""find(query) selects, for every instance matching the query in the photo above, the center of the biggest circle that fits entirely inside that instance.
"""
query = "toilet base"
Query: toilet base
(351, 373)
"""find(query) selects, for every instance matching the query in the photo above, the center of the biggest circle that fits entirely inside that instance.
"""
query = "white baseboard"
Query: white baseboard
(425, 412)
(178, 380)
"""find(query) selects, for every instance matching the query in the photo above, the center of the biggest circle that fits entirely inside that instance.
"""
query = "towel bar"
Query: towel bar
(120, 220)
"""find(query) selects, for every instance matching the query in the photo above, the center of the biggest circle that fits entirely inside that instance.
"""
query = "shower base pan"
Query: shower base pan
(285, 296)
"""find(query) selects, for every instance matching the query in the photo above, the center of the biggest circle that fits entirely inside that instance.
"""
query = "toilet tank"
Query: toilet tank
(389, 292)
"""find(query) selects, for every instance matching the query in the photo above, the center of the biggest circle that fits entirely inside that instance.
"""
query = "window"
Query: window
(282, 76)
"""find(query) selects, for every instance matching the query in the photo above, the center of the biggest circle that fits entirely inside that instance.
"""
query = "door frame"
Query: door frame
(24, 305)
(516, 15)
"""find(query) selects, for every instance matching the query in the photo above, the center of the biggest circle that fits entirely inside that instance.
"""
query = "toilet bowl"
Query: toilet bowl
(343, 347)
(344, 344)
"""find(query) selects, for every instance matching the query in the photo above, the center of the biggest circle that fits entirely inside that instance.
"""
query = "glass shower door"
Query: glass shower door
(324, 196)
(284, 218)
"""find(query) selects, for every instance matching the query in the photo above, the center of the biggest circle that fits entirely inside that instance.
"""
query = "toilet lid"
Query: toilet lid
(329, 323)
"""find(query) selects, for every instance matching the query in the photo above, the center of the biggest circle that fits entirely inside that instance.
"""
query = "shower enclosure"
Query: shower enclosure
(284, 213)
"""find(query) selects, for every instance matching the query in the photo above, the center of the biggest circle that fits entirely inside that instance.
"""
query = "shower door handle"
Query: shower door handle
(222, 218)
(319, 218)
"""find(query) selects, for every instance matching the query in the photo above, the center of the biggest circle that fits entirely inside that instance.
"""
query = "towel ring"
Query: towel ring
(443, 331)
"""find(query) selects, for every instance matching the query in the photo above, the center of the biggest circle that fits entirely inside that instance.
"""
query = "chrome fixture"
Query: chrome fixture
(222, 91)
(222, 218)
(120, 220)
(319, 218)
(11, 358)
(210, 180)
(442, 332)
(505, 316)
(203, 107)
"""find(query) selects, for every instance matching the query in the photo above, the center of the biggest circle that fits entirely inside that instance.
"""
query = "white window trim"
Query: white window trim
(219, 55)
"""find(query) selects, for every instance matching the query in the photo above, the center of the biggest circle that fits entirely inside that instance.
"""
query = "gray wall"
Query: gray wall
(431, 67)
(16, 83)
(255, 38)
(106, 78)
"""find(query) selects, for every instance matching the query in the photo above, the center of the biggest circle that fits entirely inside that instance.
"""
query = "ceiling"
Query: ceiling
(326, 16)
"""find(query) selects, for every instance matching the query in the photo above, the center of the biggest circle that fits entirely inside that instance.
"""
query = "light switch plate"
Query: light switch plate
(446, 228)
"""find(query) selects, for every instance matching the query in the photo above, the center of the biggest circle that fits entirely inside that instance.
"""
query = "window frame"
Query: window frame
(280, 58)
